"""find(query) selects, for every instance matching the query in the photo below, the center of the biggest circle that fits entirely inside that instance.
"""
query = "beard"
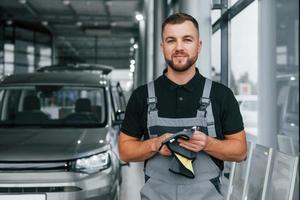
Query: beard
(181, 67)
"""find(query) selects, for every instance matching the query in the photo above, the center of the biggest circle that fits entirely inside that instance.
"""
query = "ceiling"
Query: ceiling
(94, 31)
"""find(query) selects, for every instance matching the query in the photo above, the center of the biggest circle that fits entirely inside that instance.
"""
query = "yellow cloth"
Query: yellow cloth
(186, 162)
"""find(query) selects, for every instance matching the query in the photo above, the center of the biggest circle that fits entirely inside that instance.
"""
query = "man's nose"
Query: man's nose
(179, 45)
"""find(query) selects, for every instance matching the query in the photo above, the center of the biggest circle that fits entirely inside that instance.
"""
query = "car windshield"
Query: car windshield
(53, 105)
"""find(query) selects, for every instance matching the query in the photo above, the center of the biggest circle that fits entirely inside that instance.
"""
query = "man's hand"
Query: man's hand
(164, 151)
(232, 148)
(197, 143)
(131, 149)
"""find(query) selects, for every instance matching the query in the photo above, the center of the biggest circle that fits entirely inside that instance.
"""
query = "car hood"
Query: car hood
(25, 145)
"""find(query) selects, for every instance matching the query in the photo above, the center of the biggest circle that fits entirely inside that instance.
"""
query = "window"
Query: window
(8, 59)
(232, 2)
(43, 55)
(215, 15)
(24, 50)
(216, 56)
(287, 69)
(244, 46)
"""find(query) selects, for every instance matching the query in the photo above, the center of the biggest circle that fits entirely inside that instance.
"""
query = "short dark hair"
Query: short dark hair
(179, 18)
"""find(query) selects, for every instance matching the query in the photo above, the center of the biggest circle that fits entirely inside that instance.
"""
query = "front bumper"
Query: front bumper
(61, 185)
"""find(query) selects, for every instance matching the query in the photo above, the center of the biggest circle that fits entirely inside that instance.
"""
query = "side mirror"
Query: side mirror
(119, 117)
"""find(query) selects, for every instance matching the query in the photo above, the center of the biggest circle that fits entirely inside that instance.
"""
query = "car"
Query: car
(248, 108)
(288, 109)
(58, 135)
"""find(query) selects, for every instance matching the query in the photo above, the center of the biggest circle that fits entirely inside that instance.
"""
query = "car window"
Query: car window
(50, 105)
(122, 98)
(118, 97)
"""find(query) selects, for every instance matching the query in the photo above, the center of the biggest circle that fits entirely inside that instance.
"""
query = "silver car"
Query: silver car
(58, 137)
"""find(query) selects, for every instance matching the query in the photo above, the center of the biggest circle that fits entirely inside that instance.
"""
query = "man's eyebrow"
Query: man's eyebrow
(185, 36)
(188, 36)
(170, 37)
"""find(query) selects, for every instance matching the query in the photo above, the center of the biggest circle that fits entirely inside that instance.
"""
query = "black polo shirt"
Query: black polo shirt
(182, 101)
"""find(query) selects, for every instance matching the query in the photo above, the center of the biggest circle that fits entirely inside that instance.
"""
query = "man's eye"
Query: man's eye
(188, 40)
(170, 41)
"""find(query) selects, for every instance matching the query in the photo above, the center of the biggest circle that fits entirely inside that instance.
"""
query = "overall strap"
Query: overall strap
(205, 104)
(152, 113)
(151, 100)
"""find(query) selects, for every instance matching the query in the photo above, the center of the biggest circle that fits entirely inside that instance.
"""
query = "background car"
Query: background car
(248, 108)
(57, 136)
(288, 107)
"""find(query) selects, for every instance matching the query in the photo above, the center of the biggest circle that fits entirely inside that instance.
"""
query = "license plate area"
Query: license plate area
(23, 197)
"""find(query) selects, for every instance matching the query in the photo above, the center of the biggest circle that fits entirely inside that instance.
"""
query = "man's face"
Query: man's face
(181, 45)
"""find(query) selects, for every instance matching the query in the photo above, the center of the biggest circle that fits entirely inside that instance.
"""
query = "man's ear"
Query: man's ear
(199, 46)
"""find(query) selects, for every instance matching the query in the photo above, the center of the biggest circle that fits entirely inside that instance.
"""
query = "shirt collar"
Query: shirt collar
(189, 86)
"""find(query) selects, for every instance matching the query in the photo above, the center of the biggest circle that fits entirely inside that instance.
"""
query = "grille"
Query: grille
(36, 166)
(38, 189)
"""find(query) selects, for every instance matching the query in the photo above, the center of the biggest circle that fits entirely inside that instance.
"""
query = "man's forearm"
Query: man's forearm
(136, 150)
(228, 149)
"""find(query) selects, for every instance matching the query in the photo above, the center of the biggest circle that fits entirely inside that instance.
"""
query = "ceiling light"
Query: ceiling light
(139, 17)
(132, 40)
(66, 2)
(78, 23)
(113, 23)
(293, 78)
(132, 68)
(132, 62)
(135, 46)
(22, 1)
(9, 22)
(45, 23)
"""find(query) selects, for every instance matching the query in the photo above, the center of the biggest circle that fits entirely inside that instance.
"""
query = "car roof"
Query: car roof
(97, 68)
(56, 78)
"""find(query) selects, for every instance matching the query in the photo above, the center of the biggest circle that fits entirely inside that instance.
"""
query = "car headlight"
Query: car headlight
(93, 163)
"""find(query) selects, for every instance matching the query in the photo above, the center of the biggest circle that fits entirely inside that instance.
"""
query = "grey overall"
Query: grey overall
(163, 184)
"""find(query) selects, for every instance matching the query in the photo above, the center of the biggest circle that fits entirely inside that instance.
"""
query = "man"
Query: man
(182, 98)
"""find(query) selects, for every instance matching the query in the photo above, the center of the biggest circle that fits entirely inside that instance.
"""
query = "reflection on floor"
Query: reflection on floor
(133, 180)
